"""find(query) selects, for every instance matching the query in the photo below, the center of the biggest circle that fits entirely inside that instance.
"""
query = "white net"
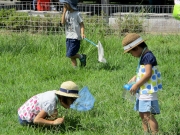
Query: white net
(101, 53)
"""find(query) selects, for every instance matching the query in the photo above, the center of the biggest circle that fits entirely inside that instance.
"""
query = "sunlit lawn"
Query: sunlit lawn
(31, 64)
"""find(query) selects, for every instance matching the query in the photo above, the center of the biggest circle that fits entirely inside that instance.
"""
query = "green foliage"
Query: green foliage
(45, 24)
(95, 25)
(4, 16)
(20, 21)
(17, 21)
(131, 22)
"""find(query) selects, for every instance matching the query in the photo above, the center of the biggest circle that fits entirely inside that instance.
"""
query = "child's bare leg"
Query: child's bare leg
(144, 121)
(73, 59)
(74, 62)
(148, 119)
(153, 124)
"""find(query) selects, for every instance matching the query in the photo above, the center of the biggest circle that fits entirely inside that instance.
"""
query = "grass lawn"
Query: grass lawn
(31, 64)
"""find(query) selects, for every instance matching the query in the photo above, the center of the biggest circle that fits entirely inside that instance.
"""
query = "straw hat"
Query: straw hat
(68, 89)
(130, 41)
(72, 3)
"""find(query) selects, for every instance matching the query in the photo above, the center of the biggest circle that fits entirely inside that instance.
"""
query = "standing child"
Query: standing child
(148, 81)
(74, 29)
(40, 108)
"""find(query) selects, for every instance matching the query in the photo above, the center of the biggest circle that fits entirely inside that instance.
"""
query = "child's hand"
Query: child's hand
(58, 121)
(133, 89)
(83, 36)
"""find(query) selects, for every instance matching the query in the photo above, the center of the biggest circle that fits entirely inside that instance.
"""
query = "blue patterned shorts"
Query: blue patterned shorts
(147, 106)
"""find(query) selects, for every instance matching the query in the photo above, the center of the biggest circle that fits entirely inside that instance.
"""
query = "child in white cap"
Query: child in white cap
(74, 29)
(148, 81)
(42, 106)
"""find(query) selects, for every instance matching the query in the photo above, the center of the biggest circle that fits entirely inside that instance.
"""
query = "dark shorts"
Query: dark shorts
(72, 47)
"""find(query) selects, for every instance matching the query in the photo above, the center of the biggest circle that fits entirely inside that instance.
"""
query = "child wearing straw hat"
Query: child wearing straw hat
(148, 81)
(74, 29)
(38, 108)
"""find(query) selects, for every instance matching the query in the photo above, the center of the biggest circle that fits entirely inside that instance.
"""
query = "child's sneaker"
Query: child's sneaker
(83, 60)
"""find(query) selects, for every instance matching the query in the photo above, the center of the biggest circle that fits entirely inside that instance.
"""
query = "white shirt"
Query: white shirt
(72, 25)
(151, 97)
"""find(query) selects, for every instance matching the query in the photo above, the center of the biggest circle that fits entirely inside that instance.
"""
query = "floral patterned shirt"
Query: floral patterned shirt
(46, 101)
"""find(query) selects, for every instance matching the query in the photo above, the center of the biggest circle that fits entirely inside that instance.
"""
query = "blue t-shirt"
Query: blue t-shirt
(148, 58)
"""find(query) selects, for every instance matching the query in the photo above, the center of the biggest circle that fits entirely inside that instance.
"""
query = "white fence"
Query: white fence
(112, 19)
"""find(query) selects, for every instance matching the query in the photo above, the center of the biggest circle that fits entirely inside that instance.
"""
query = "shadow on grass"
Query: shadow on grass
(70, 125)
(105, 66)
(96, 113)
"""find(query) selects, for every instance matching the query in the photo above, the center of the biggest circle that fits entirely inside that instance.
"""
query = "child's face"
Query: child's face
(136, 52)
(66, 101)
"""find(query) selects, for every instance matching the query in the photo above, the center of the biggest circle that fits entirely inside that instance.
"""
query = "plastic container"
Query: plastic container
(126, 92)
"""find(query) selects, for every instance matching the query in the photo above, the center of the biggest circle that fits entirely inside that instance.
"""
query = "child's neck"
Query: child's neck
(71, 10)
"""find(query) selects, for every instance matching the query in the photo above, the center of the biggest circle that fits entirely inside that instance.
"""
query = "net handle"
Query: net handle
(90, 42)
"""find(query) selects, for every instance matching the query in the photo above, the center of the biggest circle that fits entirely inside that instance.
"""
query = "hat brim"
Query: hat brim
(66, 94)
(62, 1)
(134, 46)
(73, 7)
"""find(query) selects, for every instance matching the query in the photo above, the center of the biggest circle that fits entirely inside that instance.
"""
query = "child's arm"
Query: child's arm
(133, 79)
(63, 15)
(82, 29)
(40, 119)
(144, 79)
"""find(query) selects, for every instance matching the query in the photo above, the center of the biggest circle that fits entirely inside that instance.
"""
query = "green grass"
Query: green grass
(31, 64)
